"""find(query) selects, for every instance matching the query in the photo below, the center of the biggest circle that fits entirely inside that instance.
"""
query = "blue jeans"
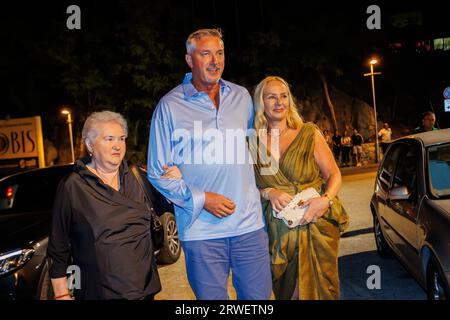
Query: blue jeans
(208, 264)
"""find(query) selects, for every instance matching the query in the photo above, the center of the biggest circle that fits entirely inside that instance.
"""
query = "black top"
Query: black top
(357, 139)
(106, 233)
(337, 140)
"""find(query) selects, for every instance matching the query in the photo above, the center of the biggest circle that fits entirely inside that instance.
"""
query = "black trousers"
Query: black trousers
(346, 154)
(384, 146)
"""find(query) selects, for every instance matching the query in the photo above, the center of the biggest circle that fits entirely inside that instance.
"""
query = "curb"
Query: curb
(357, 170)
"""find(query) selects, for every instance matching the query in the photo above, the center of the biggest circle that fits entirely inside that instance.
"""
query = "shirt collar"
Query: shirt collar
(191, 92)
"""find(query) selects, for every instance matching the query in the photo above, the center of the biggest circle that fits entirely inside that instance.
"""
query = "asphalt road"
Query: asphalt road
(358, 250)
(357, 254)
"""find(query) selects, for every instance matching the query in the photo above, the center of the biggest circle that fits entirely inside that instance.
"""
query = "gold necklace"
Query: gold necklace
(109, 182)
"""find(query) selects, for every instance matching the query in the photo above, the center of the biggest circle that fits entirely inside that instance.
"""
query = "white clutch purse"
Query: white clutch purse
(292, 213)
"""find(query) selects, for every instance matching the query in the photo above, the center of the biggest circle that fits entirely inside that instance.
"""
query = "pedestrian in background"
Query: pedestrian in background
(346, 149)
(337, 145)
(357, 141)
(385, 134)
(428, 121)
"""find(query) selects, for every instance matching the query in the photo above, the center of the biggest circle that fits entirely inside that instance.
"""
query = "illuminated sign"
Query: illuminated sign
(21, 143)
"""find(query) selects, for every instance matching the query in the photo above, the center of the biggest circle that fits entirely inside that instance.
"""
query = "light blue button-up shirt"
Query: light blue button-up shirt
(209, 148)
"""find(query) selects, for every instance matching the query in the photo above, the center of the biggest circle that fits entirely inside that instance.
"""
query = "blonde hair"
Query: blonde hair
(197, 35)
(294, 120)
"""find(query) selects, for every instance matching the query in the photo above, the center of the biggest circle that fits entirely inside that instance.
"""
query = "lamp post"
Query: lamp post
(69, 123)
(372, 62)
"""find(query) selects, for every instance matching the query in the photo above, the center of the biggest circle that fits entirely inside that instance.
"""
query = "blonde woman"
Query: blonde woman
(304, 259)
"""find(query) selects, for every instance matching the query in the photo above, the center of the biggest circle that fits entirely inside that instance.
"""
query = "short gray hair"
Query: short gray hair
(197, 35)
(90, 133)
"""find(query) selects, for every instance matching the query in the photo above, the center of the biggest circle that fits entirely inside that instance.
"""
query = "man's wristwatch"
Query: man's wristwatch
(330, 200)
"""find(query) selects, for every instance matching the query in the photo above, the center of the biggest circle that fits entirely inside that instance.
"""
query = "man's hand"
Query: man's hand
(218, 205)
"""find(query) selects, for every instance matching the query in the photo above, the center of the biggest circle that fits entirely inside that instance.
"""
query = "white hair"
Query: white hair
(89, 133)
(197, 35)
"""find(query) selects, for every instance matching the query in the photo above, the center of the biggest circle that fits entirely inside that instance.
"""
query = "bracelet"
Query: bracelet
(265, 193)
(62, 296)
(330, 200)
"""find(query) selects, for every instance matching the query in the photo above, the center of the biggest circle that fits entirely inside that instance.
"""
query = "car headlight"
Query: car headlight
(13, 260)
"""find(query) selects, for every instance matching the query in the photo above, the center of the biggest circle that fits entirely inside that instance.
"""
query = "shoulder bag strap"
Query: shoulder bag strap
(138, 177)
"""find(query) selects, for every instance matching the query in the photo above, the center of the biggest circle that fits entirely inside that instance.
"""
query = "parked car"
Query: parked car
(26, 200)
(411, 208)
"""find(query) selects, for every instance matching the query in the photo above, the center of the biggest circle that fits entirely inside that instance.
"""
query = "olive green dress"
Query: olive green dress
(309, 251)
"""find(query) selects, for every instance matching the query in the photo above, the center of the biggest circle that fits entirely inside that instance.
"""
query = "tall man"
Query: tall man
(217, 203)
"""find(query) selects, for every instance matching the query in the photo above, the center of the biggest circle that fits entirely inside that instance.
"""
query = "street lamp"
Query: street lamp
(372, 62)
(69, 123)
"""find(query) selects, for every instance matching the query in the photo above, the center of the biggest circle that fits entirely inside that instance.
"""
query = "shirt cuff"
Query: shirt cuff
(198, 201)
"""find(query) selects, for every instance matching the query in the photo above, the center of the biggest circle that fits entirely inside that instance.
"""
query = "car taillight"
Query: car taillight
(9, 193)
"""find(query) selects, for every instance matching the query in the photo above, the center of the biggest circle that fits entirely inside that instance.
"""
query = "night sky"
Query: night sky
(261, 37)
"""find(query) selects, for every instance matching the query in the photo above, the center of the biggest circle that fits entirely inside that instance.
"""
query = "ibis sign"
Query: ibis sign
(21, 143)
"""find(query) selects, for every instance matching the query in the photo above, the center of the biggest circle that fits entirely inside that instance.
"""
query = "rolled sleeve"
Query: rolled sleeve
(198, 202)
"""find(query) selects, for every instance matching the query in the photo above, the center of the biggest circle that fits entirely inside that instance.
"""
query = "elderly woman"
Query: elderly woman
(101, 221)
(304, 259)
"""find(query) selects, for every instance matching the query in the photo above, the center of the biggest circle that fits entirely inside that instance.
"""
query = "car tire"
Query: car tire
(437, 289)
(171, 250)
(383, 248)
(45, 289)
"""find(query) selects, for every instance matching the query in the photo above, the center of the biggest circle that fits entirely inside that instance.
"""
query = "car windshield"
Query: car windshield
(439, 170)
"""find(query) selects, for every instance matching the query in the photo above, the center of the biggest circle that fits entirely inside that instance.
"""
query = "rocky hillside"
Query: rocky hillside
(350, 112)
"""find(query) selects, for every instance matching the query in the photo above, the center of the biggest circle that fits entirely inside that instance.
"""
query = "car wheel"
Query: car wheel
(171, 250)
(45, 289)
(436, 286)
(382, 246)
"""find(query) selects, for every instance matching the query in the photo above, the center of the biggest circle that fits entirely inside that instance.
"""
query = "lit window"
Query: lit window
(441, 44)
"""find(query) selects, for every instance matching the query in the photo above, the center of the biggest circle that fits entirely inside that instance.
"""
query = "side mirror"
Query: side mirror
(399, 193)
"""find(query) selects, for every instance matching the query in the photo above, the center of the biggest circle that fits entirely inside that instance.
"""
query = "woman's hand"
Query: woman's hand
(317, 208)
(171, 173)
(66, 297)
(279, 199)
(60, 289)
